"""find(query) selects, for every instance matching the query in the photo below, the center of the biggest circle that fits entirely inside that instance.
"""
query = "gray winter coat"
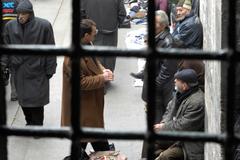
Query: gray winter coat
(107, 14)
(189, 32)
(32, 73)
(189, 117)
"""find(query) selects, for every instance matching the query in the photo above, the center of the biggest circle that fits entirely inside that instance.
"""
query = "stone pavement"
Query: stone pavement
(124, 109)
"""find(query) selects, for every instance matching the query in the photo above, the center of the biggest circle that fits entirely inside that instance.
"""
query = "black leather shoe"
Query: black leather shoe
(139, 75)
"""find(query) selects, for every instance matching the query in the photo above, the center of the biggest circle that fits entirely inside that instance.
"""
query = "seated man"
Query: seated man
(185, 112)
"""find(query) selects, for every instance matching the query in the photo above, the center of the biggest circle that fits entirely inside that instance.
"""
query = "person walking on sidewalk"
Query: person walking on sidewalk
(32, 73)
(92, 80)
(107, 14)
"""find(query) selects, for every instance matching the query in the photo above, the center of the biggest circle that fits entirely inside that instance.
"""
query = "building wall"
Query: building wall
(210, 14)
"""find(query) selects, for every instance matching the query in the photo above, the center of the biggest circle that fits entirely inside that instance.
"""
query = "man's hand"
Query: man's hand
(49, 76)
(157, 127)
(108, 75)
(5, 74)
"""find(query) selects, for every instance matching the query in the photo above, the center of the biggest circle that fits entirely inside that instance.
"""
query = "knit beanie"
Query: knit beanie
(185, 4)
(188, 76)
(25, 6)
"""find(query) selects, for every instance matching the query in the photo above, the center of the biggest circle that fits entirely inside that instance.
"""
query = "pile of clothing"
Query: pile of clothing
(138, 11)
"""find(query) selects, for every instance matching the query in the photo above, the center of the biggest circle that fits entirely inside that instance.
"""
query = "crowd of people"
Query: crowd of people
(179, 83)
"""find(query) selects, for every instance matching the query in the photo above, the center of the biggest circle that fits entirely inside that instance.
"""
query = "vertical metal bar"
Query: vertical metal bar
(3, 139)
(151, 78)
(231, 79)
(75, 92)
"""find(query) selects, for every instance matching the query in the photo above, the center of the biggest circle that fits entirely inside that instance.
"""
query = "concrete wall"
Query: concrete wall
(210, 14)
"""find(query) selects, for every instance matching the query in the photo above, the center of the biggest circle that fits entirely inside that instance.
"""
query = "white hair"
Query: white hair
(163, 17)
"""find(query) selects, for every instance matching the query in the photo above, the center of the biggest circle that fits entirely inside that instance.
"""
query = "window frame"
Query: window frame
(229, 55)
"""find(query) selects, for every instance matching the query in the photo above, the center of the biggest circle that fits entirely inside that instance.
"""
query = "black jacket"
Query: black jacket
(165, 70)
(32, 73)
(189, 32)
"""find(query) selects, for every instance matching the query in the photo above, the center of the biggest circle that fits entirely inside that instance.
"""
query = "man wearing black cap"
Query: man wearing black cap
(188, 32)
(185, 112)
(32, 73)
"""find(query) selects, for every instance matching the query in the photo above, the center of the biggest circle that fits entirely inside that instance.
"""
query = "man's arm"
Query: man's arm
(166, 73)
(121, 11)
(51, 61)
(49, 38)
(192, 118)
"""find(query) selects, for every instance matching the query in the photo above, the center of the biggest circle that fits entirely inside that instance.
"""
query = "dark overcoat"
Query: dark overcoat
(32, 73)
(107, 14)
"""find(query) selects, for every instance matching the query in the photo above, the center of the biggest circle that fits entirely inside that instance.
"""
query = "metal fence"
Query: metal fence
(229, 55)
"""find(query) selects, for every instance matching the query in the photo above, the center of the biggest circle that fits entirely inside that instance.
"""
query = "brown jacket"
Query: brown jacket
(196, 65)
(92, 93)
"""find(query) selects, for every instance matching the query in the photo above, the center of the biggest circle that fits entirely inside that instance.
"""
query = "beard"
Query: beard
(180, 18)
(21, 20)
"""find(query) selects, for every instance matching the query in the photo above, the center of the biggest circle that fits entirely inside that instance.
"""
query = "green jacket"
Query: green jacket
(189, 117)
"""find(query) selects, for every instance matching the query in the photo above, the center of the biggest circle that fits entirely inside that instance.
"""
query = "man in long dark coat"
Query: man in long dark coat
(32, 73)
(107, 14)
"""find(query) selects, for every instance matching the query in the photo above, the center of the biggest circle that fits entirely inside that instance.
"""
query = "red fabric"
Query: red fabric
(161, 5)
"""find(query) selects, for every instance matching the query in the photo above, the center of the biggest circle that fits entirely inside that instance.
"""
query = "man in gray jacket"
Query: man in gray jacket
(185, 112)
(107, 14)
(32, 73)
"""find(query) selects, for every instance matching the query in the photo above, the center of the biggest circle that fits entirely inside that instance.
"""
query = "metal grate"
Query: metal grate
(231, 56)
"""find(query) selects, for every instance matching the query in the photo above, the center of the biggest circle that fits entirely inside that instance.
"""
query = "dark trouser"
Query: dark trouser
(34, 115)
(108, 63)
(97, 146)
(172, 153)
(109, 39)
(13, 88)
(159, 145)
